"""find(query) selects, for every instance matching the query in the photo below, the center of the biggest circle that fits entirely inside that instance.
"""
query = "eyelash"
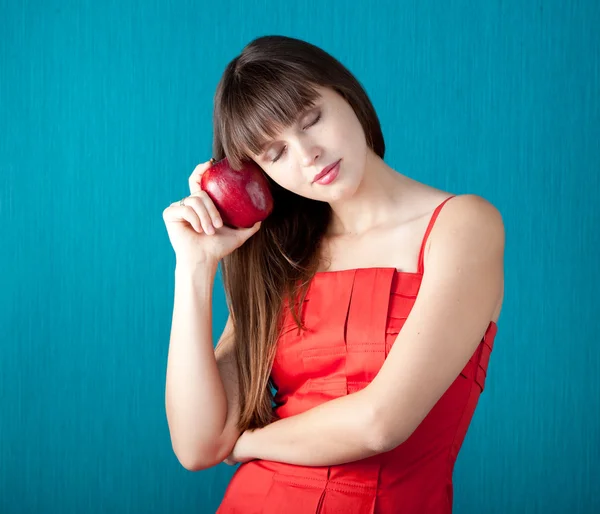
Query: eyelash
(308, 126)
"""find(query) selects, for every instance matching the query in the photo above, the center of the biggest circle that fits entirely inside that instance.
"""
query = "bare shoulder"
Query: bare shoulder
(469, 233)
(471, 213)
(468, 220)
(472, 201)
(468, 214)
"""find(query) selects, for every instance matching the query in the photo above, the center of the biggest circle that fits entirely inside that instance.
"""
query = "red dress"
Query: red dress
(341, 353)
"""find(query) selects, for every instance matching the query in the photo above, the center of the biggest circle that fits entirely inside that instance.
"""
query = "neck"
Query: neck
(374, 203)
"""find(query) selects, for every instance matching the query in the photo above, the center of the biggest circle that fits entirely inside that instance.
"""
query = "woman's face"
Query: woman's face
(322, 135)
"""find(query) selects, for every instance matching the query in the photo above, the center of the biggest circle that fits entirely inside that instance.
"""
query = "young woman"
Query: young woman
(367, 300)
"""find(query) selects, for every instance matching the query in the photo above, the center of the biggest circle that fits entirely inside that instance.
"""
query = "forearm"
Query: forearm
(335, 432)
(195, 398)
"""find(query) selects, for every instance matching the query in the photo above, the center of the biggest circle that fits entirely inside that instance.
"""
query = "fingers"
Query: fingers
(201, 213)
(207, 212)
(194, 179)
(205, 209)
(212, 210)
(198, 210)
(176, 212)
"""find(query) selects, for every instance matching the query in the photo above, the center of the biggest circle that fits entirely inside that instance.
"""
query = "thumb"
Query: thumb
(247, 232)
(256, 227)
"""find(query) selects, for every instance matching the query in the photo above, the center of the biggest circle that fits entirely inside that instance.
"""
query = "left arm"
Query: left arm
(459, 291)
(332, 433)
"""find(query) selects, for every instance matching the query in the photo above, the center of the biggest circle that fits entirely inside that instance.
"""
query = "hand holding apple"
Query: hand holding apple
(242, 197)
(197, 230)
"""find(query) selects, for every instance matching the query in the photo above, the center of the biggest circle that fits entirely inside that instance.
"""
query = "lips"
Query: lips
(326, 170)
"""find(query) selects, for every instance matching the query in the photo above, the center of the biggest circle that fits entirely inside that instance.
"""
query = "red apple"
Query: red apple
(242, 197)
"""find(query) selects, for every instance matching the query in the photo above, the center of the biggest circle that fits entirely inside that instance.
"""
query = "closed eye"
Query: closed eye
(314, 122)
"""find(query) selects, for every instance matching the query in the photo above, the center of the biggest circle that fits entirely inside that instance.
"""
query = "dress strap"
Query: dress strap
(429, 227)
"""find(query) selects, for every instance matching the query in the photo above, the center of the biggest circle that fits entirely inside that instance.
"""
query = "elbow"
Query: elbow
(383, 435)
(382, 440)
(384, 432)
(192, 464)
(377, 441)
(200, 458)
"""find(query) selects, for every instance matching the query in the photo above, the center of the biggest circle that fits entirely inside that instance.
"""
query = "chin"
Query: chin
(341, 192)
(347, 187)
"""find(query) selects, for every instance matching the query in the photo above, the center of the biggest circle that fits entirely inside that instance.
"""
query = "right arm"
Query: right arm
(201, 395)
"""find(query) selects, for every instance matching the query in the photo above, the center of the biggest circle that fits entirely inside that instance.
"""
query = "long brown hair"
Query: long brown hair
(261, 92)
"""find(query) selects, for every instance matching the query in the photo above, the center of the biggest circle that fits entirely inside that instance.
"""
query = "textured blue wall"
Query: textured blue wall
(105, 110)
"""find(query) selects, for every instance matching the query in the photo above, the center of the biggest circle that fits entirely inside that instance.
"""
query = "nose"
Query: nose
(309, 153)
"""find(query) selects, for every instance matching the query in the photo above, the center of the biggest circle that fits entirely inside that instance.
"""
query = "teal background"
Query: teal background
(105, 110)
